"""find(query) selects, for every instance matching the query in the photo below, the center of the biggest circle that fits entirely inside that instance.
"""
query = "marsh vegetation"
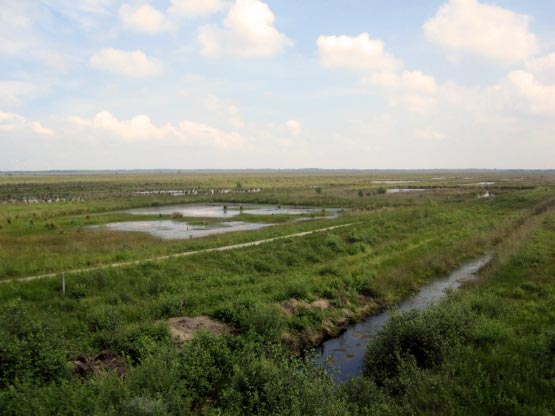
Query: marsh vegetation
(107, 345)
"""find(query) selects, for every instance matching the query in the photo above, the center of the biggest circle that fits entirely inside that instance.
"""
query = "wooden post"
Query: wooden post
(63, 284)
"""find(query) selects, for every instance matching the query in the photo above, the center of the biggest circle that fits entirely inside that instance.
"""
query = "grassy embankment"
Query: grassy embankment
(487, 350)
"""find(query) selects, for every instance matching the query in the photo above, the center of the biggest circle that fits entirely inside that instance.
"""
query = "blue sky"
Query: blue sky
(189, 84)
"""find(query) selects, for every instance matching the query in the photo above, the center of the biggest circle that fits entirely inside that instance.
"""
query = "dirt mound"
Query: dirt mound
(321, 304)
(105, 361)
(183, 328)
(290, 306)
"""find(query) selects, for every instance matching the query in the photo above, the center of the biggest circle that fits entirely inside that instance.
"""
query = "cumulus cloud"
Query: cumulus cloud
(12, 122)
(141, 128)
(13, 93)
(543, 68)
(540, 97)
(248, 31)
(408, 81)
(224, 110)
(414, 103)
(294, 127)
(355, 53)
(131, 63)
(138, 128)
(471, 27)
(197, 8)
(143, 18)
(411, 89)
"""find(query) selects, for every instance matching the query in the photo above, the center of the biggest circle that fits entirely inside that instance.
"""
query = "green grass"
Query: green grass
(396, 243)
(487, 350)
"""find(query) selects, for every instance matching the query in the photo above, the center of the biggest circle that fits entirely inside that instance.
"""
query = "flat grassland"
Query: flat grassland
(278, 299)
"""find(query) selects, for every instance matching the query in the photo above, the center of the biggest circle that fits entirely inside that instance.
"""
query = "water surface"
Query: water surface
(231, 210)
(391, 182)
(178, 230)
(398, 190)
(347, 351)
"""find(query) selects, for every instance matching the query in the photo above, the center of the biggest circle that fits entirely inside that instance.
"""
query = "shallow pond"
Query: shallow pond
(179, 230)
(347, 351)
(390, 182)
(231, 210)
(398, 190)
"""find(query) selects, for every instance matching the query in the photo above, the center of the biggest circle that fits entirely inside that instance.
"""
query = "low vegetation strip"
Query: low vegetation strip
(187, 253)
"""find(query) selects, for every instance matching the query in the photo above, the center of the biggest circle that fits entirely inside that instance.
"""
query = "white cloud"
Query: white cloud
(141, 128)
(411, 89)
(294, 127)
(13, 93)
(131, 63)
(540, 97)
(56, 61)
(226, 111)
(415, 103)
(138, 128)
(40, 129)
(407, 81)
(12, 122)
(144, 18)
(428, 133)
(197, 8)
(248, 31)
(189, 131)
(468, 26)
(16, 32)
(355, 53)
(543, 68)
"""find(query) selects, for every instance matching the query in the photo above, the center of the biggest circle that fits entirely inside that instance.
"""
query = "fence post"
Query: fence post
(63, 284)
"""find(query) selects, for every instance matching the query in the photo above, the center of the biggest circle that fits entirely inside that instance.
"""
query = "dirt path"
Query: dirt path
(170, 256)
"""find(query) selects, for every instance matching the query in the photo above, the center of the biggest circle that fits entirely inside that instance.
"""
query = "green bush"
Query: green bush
(419, 338)
(205, 367)
(335, 243)
(28, 351)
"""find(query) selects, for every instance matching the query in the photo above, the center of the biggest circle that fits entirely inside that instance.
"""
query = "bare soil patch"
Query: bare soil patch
(290, 306)
(183, 328)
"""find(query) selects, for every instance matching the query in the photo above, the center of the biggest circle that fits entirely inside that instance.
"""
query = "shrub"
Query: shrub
(205, 366)
(416, 338)
(28, 351)
(335, 243)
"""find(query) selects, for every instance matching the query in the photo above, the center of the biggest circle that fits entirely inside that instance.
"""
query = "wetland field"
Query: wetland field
(277, 293)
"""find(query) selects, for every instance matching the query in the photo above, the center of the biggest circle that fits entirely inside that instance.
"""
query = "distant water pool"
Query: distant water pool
(398, 190)
(179, 230)
(227, 210)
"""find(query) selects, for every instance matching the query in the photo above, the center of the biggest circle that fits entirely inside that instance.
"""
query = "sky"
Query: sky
(233, 84)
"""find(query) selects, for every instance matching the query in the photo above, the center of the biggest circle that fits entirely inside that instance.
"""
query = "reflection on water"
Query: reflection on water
(227, 210)
(346, 352)
(397, 190)
(394, 182)
(178, 230)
